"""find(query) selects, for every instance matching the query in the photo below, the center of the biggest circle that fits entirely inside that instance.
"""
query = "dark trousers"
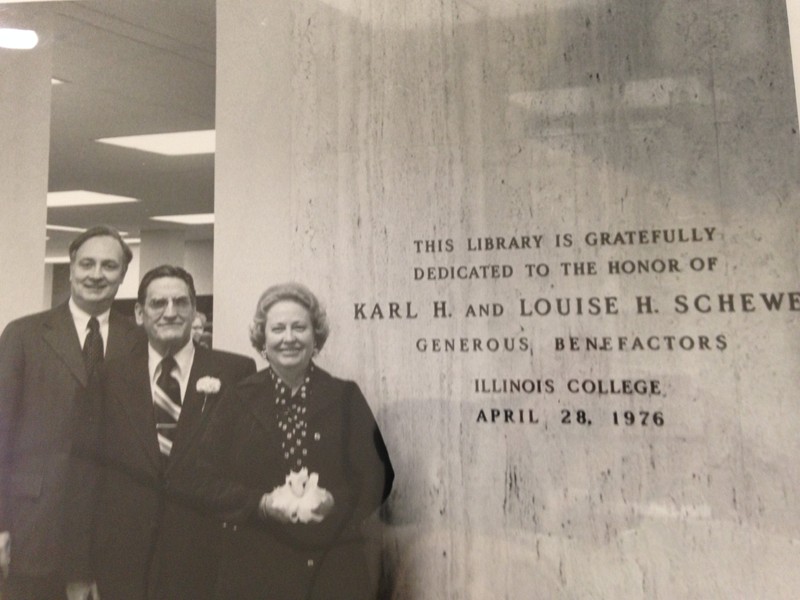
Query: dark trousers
(18, 587)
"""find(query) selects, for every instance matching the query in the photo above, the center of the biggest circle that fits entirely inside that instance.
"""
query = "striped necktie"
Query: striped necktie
(167, 404)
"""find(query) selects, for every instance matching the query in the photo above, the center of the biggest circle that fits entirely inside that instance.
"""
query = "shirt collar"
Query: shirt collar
(283, 388)
(81, 319)
(183, 358)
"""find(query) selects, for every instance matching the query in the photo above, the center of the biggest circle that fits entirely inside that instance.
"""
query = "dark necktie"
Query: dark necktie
(167, 404)
(93, 348)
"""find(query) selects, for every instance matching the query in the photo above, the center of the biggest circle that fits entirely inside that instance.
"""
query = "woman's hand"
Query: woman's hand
(325, 506)
(268, 510)
(82, 590)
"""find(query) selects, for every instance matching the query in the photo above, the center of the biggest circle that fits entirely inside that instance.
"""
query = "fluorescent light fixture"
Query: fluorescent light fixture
(65, 228)
(18, 39)
(56, 81)
(171, 144)
(83, 198)
(56, 260)
(198, 219)
(133, 241)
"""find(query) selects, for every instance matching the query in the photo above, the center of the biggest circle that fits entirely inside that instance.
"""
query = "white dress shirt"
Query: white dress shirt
(81, 319)
(183, 359)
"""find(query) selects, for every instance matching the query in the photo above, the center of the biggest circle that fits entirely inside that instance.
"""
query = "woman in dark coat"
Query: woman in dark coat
(300, 541)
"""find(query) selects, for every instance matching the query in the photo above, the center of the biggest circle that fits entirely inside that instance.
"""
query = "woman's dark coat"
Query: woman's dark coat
(242, 460)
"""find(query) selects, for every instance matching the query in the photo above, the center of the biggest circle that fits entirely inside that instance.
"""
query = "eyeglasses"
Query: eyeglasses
(181, 304)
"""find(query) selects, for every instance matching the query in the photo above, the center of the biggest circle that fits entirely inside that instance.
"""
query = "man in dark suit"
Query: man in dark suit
(149, 542)
(48, 364)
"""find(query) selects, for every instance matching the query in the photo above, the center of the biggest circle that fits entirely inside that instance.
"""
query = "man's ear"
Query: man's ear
(137, 311)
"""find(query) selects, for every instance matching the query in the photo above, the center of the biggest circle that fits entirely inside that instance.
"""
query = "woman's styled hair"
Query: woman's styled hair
(294, 292)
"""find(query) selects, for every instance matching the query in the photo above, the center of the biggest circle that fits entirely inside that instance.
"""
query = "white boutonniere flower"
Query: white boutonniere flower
(208, 385)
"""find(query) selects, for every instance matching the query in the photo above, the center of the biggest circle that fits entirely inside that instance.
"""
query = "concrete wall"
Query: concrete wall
(25, 139)
(638, 162)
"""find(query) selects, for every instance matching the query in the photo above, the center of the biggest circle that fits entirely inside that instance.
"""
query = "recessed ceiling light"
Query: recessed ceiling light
(171, 144)
(18, 39)
(84, 198)
(65, 228)
(199, 219)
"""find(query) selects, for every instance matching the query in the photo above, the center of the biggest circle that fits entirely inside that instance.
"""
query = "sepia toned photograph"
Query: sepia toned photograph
(372, 300)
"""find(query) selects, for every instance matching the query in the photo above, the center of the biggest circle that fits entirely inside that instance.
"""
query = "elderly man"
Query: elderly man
(49, 365)
(148, 542)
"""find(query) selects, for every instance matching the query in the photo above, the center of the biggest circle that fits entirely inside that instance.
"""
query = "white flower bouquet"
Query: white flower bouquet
(300, 497)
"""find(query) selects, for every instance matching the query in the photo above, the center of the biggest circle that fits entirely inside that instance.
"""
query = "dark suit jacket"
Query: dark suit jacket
(147, 543)
(42, 382)
(241, 459)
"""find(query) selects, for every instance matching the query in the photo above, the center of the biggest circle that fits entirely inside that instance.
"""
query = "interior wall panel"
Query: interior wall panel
(557, 242)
